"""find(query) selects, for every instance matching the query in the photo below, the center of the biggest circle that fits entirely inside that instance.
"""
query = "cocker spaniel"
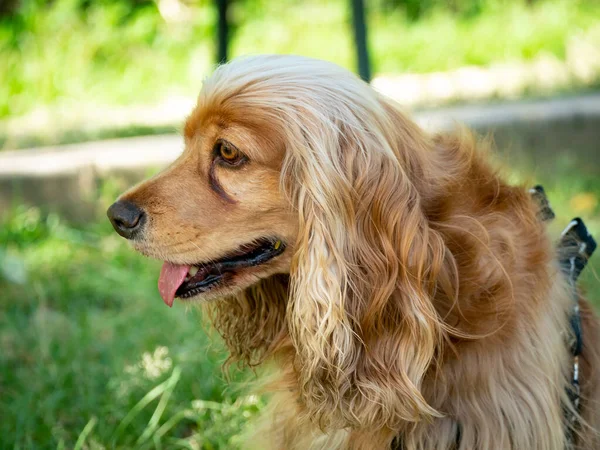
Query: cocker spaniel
(408, 294)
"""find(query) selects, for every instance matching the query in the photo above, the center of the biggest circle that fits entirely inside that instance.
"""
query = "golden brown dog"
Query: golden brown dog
(408, 294)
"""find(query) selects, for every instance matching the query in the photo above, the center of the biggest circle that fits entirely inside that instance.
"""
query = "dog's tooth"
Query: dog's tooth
(193, 271)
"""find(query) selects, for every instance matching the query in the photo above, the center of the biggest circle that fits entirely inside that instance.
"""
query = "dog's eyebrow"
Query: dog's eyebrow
(216, 186)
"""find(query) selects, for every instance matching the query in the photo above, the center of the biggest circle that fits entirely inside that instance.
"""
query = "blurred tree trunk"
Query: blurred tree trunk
(222, 31)
(8, 7)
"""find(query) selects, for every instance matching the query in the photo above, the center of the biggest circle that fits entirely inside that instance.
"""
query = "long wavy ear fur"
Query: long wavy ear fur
(366, 264)
(360, 311)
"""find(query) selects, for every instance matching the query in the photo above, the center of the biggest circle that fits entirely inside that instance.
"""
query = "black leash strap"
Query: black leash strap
(575, 248)
(545, 213)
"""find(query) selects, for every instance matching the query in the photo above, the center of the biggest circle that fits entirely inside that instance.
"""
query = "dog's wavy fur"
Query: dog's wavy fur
(422, 300)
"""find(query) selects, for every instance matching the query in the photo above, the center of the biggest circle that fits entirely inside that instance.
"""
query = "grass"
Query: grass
(67, 57)
(90, 357)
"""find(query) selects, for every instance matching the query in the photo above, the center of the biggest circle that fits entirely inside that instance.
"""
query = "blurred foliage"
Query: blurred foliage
(89, 50)
(77, 53)
(415, 9)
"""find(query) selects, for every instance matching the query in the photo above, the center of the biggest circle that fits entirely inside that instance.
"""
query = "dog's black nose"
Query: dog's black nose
(126, 218)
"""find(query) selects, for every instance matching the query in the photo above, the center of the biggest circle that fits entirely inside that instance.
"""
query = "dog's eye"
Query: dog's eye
(229, 154)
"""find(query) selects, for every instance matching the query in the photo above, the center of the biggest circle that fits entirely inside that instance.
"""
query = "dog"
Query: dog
(408, 295)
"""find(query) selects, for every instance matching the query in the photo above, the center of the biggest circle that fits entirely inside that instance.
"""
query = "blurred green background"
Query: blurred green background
(78, 54)
(90, 357)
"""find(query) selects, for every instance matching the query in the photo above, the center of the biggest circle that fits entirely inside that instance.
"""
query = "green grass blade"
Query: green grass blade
(174, 420)
(181, 443)
(145, 401)
(162, 404)
(84, 434)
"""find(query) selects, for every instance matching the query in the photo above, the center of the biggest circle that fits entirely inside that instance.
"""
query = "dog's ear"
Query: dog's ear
(363, 275)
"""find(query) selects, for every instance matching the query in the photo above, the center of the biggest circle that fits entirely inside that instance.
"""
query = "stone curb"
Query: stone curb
(155, 151)
(65, 178)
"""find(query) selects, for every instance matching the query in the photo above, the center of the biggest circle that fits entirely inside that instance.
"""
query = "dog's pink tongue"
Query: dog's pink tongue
(171, 277)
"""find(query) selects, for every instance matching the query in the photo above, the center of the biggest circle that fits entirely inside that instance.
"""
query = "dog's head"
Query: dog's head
(217, 216)
(295, 166)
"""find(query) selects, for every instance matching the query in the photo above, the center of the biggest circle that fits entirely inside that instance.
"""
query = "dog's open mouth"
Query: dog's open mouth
(185, 281)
